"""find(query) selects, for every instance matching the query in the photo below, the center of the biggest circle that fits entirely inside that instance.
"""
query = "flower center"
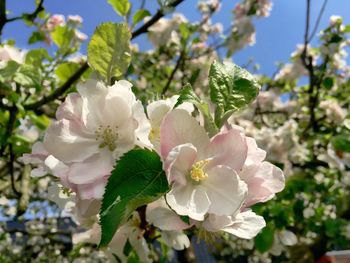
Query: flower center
(107, 136)
(154, 133)
(197, 173)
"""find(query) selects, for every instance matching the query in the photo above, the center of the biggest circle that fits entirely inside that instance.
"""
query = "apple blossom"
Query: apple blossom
(9, 53)
(54, 21)
(216, 176)
(201, 172)
(93, 129)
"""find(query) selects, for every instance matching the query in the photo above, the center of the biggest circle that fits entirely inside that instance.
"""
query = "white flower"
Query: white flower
(334, 112)
(76, 19)
(9, 53)
(202, 172)
(93, 129)
(164, 31)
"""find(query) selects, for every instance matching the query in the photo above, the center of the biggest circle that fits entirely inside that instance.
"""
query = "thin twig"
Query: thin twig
(318, 20)
(172, 75)
(30, 16)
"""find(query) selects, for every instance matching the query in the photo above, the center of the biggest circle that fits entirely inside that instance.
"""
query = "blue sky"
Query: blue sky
(277, 35)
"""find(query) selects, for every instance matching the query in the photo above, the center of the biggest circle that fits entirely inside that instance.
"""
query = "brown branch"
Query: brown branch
(175, 69)
(76, 76)
(30, 16)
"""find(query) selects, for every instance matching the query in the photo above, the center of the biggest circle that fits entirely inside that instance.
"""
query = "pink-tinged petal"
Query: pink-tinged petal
(94, 190)
(94, 168)
(160, 215)
(228, 148)
(37, 156)
(189, 201)
(225, 190)
(85, 209)
(179, 127)
(68, 142)
(179, 162)
(255, 154)
(70, 109)
(247, 226)
(263, 180)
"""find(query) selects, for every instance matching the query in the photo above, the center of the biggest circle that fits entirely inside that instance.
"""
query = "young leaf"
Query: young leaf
(341, 142)
(264, 240)
(231, 88)
(121, 7)
(109, 50)
(62, 36)
(28, 76)
(139, 15)
(137, 179)
(187, 95)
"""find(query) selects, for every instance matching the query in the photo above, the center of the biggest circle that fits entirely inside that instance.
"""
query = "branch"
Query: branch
(172, 75)
(318, 20)
(30, 16)
(75, 77)
(2, 15)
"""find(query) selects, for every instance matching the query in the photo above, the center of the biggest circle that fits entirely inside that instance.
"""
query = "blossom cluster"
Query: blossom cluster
(213, 181)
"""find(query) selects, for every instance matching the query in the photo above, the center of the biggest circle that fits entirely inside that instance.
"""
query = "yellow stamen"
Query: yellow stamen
(154, 133)
(108, 136)
(197, 173)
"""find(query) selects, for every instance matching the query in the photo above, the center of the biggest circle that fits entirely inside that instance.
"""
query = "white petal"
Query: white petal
(189, 201)
(249, 227)
(143, 127)
(68, 142)
(176, 239)
(225, 190)
(160, 215)
(139, 243)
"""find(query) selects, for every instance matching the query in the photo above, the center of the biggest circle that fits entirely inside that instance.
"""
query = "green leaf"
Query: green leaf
(347, 29)
(9, 70)
(109, 50)
(341, 142)
(231, 88)
(122, 7)
(139, 15)
(37, 36)
(28, 76)
(328, 82)
(264, 240)
(187, 95)
(35, 57)
(137, 180)
(65, 70)
(62, 36)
